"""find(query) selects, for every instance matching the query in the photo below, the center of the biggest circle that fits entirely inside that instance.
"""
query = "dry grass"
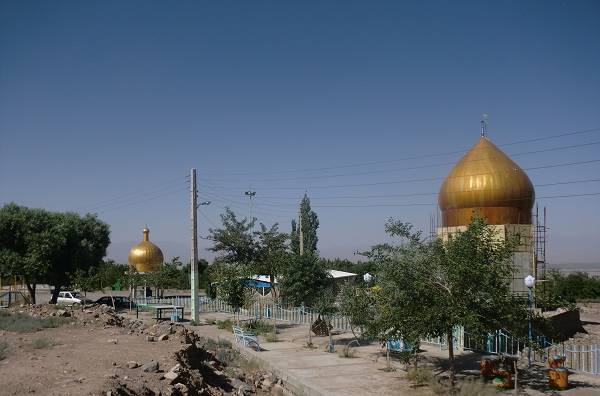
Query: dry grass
(44, 343)
(3, 350)
(21, 323)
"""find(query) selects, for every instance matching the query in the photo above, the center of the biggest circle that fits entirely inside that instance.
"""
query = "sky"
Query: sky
(106, 106)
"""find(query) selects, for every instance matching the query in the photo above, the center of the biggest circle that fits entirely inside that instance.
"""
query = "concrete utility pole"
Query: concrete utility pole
(301, 234)
(194, 256)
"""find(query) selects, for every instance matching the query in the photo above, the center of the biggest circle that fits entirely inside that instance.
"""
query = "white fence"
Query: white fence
(584, 358)
(581, 358)
(295, 315)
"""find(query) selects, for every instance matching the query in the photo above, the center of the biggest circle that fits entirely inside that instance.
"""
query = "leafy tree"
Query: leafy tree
(310, 223)
(271, 252)
(234, 241)
(563, 289)
(357, 303)
(304, 280)
(425, 289)
(25, 242)
(82, 245)
(49, 247)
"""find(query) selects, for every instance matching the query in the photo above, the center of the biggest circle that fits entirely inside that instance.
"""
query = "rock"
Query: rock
(176, 368)
(171, 376)
(267, 384)
(182, 389)
(150, 367)
(63, 313)
(163, 337)
(278, 390)
(132, 364)
(150, 338)
(244, 390)
(236, 383)
(113, 341)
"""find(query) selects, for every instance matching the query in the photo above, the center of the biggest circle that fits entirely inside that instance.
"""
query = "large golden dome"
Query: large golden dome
(146, 256)
(488, 182)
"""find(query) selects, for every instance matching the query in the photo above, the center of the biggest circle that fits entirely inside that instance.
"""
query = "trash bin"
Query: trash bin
(558, 378)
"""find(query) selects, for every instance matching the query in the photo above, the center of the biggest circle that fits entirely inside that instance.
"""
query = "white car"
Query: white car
(69, 298)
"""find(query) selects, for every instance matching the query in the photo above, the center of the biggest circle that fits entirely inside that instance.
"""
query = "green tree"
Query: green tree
(303, 280)
(271, 252)
(49, 247)
(82, 243)
(310, 223)
(25, 244)
(426, 289)
(234, 241)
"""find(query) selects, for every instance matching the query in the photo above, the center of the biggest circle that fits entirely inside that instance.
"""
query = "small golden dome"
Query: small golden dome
(488, 182)
(146, 256)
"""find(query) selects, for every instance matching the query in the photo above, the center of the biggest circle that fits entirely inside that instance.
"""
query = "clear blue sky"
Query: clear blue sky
(105, 106)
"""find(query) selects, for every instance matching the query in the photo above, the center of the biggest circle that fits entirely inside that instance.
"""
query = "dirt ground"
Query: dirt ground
(100, 352)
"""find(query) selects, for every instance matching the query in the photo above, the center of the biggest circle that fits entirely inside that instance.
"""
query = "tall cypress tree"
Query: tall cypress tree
(310, 223)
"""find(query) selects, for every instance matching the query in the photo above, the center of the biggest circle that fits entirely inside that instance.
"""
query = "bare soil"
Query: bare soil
(93, 355)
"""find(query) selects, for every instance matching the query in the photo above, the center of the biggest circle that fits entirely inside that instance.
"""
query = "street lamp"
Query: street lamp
(530, 283)
(204, 203)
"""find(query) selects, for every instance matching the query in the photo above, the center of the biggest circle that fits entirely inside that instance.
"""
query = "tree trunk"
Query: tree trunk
(451, 355)
(55, 294)
(31, 290)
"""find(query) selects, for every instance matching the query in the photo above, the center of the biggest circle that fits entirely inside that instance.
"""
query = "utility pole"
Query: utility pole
(301, 234)
(250, 194)
(194, 256)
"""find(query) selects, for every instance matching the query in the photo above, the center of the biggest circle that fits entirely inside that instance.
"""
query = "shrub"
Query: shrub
(43, 343)
(3, 350)
(260, 327)
(226, 324)
(21, 323)
(419, 375)
(271, 337)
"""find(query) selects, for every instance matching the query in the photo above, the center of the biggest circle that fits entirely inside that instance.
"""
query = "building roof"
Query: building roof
(335, 274)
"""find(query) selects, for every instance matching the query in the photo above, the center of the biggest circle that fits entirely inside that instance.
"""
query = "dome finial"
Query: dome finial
(484, 117)
(146, 233)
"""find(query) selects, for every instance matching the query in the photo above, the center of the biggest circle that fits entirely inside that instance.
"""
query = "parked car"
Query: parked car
(120, 301)
(69, 298)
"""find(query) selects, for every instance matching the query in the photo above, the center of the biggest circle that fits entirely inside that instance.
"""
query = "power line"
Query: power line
(408, 194)
(372, 172)
(143, 200)
(409, 158)
(413, 180)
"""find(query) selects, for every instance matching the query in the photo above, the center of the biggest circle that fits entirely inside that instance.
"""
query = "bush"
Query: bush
(419, 375)
(226, 324)
(20, 323)
(43, 343)
(271, 337)
(3, 350)
(259, 327)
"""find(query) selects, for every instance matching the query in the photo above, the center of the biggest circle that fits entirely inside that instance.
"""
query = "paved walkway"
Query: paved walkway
(315, 372)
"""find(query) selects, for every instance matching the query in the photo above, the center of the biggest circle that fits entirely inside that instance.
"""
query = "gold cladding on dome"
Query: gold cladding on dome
(146, 256)
(488, 182)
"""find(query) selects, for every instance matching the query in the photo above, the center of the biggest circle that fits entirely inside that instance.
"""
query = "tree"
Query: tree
(303, 280)
(310, 223)
(426, 289)
(25, 240)
(271, 252)
(234, 241)
(50, 247)
(81, 244)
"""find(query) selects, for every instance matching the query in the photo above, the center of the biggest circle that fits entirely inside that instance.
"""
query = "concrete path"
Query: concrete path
(314, 372)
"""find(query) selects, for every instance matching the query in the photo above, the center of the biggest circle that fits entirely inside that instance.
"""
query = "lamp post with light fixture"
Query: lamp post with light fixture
(530, 283)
